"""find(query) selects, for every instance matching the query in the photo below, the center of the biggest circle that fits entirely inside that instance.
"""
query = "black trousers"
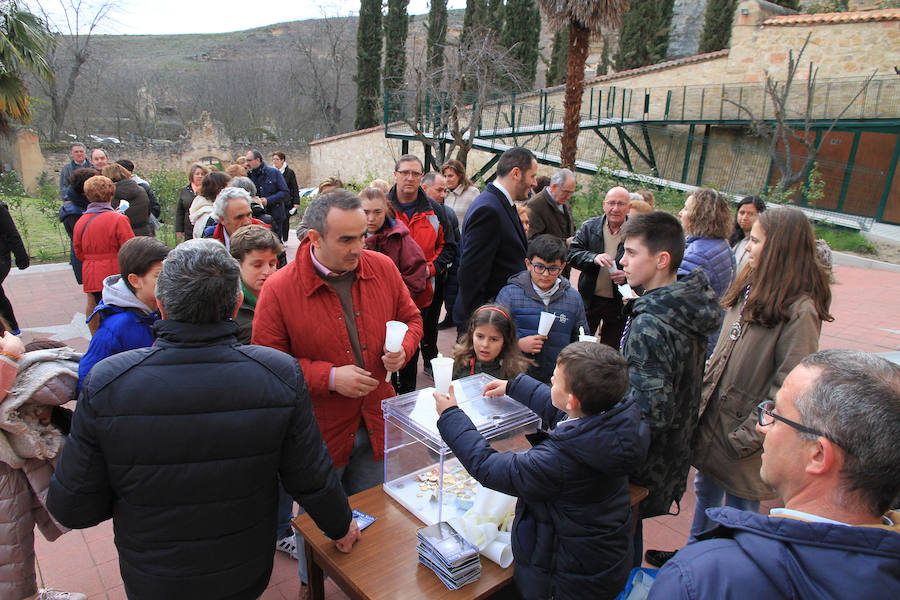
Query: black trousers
(607, 314)
(405, 379)
(6, 309)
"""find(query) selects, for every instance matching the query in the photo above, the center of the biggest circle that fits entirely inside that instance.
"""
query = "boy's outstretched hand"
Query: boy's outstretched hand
(495, 388)
(443, 402)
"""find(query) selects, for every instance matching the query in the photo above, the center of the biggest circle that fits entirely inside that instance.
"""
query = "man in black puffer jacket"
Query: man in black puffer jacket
(182, 445)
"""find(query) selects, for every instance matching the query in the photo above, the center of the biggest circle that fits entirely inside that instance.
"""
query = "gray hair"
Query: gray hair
(856, 401)
(635, 197)
(244, 183)
(561, 177)
(220, 206)
(317, 211)
(429, 178)
(199, 283)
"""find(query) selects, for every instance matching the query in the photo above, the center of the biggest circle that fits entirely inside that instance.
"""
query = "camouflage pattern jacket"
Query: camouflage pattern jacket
(665, 347)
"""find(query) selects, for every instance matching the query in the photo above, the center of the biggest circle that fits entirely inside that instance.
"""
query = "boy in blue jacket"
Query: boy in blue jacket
(541, 289)
(571, 537)
(128, 309)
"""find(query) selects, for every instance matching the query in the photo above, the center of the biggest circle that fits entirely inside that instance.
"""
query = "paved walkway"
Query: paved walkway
(48, 303)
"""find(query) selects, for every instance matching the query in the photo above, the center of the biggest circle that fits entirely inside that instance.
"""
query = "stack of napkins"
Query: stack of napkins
(448, 554)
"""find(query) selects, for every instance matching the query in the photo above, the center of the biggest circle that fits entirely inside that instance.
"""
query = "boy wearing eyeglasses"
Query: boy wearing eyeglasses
(539, 289)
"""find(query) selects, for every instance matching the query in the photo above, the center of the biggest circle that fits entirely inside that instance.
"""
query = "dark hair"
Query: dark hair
(138, 255)
(74, 145)
(199, 283)
(458, 168)
(408, 158)
(546, 247)
(512, 361)
(512, 158)
(787, 269)
(542, 182)
(127, 164)
(855, 400)
(710, 214)
(79, 177)
(316, 214)
(256, 154)
(212, 184)
(738, 233)
(280, 154)
(253, 237)
(596, 375)
(660, 232)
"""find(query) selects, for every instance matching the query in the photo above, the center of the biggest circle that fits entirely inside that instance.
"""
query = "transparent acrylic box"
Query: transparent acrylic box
(415, 455)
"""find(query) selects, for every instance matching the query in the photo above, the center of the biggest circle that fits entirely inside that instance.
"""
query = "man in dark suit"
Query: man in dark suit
(279, 159)
(493, 241)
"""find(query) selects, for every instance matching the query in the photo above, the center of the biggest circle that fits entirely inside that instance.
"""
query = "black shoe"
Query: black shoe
(446, 324)
(658, 558)
(427, 370)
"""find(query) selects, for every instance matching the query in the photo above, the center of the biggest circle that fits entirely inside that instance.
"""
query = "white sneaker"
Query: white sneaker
(50, 594)
(288, 546)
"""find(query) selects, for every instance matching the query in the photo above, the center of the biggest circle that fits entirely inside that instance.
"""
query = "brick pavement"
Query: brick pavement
(48, 302)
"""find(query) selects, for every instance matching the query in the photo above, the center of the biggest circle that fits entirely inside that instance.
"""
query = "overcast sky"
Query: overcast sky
(192, 16)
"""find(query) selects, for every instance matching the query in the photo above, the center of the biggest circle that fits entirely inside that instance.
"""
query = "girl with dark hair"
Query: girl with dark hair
(462, 191)
(775, 310)
(490, 345)
(184, 229)
(748, 210)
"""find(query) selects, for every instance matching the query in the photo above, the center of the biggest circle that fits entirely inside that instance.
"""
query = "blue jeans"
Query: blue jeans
(710, 495)
(361, 473)
(285, 512)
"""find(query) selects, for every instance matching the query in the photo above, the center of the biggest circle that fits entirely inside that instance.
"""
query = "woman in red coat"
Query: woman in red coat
(390, 237)
(97, 237)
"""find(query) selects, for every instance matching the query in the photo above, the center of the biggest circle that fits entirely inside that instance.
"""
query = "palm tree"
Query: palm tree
(583, 18)
(24, 39)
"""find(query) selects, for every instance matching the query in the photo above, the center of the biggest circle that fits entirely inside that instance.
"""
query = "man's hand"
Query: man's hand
(345, 544)
(394, 361)
(443, 402)
(353, 382)
(618, 277)
(604, 260)
(532, 344)
(495, 388)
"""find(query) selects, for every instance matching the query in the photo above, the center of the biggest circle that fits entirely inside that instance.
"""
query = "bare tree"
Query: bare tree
(76, 24)
(792, 119)
(446, 106)
(324, 68)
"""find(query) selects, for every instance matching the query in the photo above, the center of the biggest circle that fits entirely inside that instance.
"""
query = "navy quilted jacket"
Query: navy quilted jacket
(750, 556)
(716, 258)
(571, 536)
(182, 445)
(519, 296)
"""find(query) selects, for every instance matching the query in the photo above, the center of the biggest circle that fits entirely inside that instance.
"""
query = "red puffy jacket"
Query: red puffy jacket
(298, 313)
(96, 238)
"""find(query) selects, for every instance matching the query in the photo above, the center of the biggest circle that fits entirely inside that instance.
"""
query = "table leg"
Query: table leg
(315, 574)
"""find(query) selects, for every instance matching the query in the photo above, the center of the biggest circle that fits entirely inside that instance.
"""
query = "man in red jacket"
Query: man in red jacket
(429, 227)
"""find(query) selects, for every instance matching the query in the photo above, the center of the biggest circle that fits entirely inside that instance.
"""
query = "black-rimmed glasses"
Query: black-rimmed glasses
(766, 416)
(539, 268)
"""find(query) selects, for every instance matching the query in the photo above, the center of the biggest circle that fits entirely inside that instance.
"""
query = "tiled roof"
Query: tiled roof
(659, 66)
(863, 16)
(346, 135)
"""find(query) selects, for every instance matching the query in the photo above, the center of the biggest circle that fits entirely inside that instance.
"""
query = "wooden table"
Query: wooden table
(384, 562)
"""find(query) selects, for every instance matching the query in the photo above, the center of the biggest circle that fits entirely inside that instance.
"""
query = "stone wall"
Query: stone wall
(684, 36)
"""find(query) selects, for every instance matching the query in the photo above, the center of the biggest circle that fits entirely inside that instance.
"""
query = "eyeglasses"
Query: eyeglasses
(539, 268)
(766, 417)
(413, 174)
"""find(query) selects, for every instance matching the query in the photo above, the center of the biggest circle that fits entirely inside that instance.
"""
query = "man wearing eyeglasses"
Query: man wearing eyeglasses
(832, 451)
(549, 210)
(429, 227)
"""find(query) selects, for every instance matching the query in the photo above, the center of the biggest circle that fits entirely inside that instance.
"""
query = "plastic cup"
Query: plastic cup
(442, 369)
(393, 340)
(587, 338)
(546, 323)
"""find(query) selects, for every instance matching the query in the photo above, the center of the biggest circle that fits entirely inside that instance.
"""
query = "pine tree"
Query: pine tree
(644, 37)
(474, 17)
(495, 16)
(396, 29)
(559, 56)
(437, 35)
(521, 33)
(719, 19)
(368, 63)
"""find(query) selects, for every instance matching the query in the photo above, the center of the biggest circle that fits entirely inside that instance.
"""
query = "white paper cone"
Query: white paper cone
(546, 322)
(499, 552)
(395, 331)
(587, 338)
(504, 537)
(442, 371)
